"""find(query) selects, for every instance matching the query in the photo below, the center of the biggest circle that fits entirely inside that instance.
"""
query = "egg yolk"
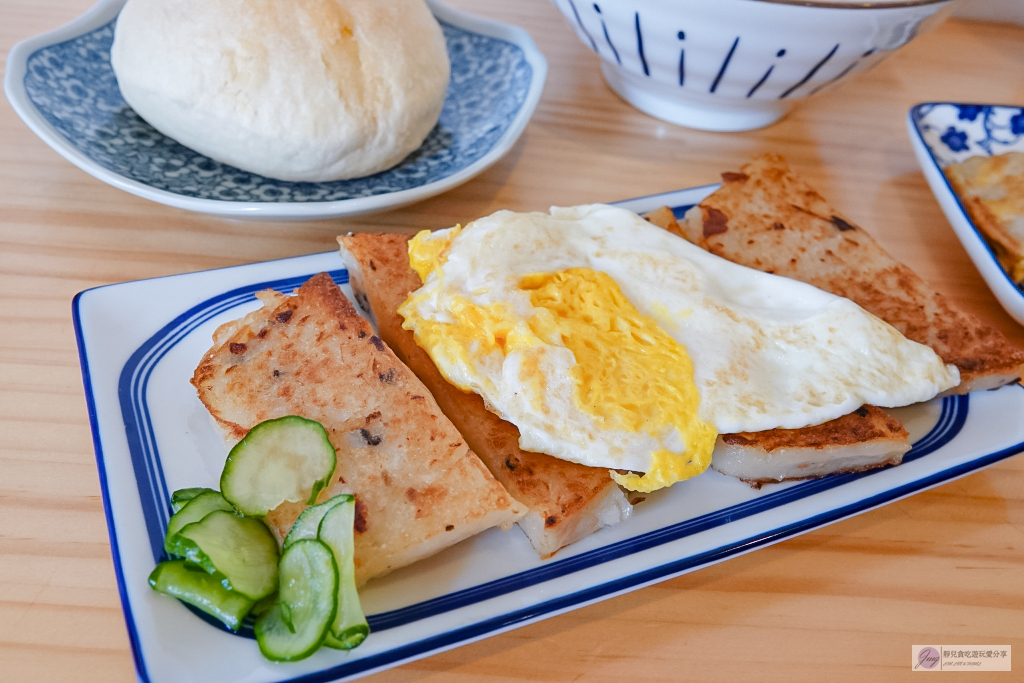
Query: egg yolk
(630, 375)
(427, 252)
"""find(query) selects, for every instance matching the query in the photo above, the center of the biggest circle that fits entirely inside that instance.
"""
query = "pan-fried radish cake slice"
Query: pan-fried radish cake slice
(567, 501)
(865, 439)
(768, 218)
(418, 486)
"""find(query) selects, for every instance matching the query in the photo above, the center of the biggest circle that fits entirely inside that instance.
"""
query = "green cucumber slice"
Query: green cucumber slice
(286, 459)
(182, 496)
(239, 550)
(349, 627)
(193, 511)
(308, 523)
(189, 583)
(309, 587)
(263, 604)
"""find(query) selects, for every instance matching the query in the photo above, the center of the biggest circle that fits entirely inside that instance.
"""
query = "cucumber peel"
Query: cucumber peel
(308, 592)
(240, 551)
(264, 604)
(349, 627)
(286, 459)
(194, 510)
(308, 523)
(182, 496)
(189, 583)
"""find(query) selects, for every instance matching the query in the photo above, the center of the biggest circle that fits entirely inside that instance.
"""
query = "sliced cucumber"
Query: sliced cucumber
(189, 583)
(287, 459)
(193, 511)
(182, 496)
(349, 627)
(240, 550)
(309, 587)
(264, 604)
(308, 523)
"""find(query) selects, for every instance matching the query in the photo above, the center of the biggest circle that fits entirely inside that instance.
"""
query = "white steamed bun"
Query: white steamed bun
(303, 90)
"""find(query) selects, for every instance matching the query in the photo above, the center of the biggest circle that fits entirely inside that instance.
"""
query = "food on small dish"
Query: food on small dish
(992, 191)
(419, 488)
(310, 91)
(533, 310)
(566, 501)
(767, 218)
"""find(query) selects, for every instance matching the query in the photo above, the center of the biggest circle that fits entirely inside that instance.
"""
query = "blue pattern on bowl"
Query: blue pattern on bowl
(732, 65)
(954, 132)
(73, 87)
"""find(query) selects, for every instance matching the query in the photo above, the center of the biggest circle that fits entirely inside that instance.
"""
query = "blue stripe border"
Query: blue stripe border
(132, 395)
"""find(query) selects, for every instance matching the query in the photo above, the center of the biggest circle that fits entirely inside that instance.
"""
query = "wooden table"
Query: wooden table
(844, 603)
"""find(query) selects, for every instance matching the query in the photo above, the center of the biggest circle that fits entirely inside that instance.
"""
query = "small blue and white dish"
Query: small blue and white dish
(945, 133)
(62, 86)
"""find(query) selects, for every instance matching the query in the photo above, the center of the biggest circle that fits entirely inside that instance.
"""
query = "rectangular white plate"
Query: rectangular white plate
(140, 343)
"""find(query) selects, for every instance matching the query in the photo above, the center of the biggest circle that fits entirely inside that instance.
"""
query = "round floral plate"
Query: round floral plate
(945, 133)
(61, 85)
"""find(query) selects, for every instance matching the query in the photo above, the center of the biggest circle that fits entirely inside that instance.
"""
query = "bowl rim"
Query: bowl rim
(852, 4)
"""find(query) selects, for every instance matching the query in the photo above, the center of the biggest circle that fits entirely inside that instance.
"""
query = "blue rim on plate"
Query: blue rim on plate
(62, 86)
(944, 133)
(490, 606)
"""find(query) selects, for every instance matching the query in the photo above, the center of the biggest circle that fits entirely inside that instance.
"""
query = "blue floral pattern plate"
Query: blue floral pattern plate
(62, 85)
(946, 133)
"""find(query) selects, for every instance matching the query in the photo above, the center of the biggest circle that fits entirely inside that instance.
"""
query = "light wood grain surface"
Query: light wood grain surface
(844, 603)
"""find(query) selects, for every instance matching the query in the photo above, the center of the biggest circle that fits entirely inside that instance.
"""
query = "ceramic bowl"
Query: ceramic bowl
(733, 65)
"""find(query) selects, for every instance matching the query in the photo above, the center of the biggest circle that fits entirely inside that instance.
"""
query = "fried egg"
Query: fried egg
(612, 343)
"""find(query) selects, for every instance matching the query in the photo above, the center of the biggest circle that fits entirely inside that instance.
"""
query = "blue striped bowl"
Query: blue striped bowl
(732, 65)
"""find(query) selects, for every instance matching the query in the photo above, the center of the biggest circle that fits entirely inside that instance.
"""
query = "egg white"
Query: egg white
(767, 351)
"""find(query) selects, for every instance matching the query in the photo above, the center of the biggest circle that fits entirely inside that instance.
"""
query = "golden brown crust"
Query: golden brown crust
(767, 218)
(313, 355)
(555, 488)
(867, 423)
